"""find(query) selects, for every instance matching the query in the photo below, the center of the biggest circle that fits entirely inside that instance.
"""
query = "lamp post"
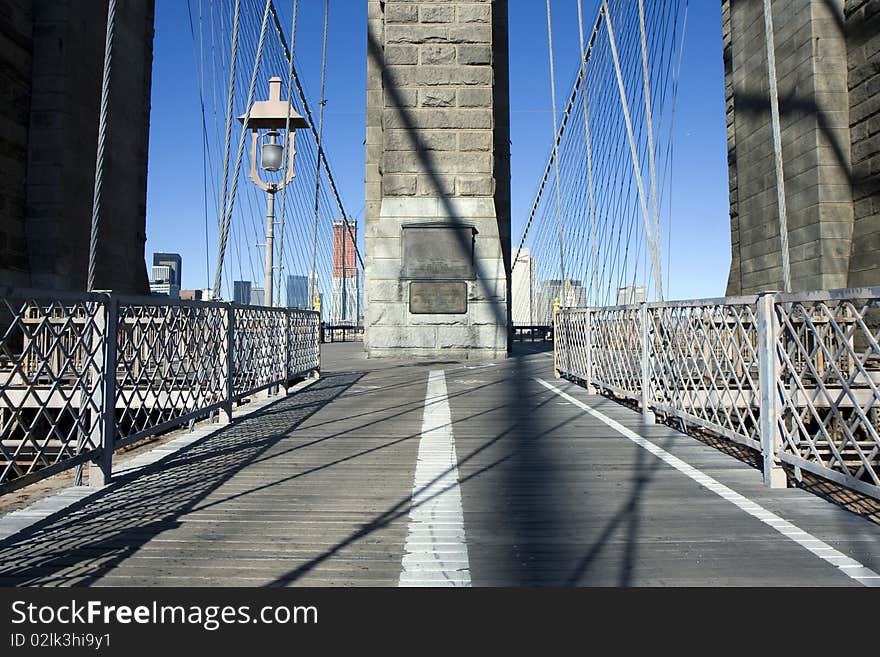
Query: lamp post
(270, 122)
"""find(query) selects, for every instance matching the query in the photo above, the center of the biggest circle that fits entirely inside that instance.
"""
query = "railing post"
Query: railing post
(228, 383)
(588, 348)
(647, 414)
(286, 367)
(101, 472)
(768, 379)
(556, 338)
(318, 341)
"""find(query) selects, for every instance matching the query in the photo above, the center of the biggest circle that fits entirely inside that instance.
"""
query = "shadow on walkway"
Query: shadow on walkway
(85, 541)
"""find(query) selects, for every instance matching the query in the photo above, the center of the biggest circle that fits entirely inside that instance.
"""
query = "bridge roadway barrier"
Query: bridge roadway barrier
(83, 375)
(441, 473)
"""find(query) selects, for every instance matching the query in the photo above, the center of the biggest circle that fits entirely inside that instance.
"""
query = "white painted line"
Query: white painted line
(436, 548)
(847, 565)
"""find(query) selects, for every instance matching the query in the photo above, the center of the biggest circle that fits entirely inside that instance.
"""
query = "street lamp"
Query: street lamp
(268, 120)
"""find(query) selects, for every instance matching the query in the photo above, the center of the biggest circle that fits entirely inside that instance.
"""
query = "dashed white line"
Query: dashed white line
(436, 548)
(847, 565)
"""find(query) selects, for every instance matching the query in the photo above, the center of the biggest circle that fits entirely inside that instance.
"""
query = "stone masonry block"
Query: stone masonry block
(399, 185)
(437, 53)
(480, 13)
(475, 97)
(401, 54)
(436, 185)
(472, 55)
(438, 33)
(474, 186)
(401, 12)
(439, 118)
(437, 13)
(437, 97)
(474, 141)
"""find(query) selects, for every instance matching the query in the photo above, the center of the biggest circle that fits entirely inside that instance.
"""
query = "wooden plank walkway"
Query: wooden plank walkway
(315, 489)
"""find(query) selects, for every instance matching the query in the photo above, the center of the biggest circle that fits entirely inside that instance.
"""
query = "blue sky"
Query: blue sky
(700, 238)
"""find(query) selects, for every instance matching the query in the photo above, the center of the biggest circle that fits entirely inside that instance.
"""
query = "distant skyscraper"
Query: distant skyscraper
(258, 296)
(345, 287)
(241, 292)
(298, 292)
(573, 294)
(550, 290)
(174, 262)
(523, 310)
(631, 294)
(161, 282)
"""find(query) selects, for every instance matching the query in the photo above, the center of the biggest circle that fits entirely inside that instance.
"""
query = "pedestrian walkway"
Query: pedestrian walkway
(386, 473)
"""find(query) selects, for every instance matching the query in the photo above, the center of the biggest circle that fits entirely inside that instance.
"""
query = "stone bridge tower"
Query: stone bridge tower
(437, 229)
(828, 74)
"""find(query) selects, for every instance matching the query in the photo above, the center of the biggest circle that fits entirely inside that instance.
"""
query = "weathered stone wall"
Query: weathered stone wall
(15, 91)
(814, 114)
(863, 55)
(827, 72)
(437, 151)
(66, 46)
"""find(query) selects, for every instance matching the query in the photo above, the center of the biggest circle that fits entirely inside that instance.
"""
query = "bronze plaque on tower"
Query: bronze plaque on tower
(440, 297)
(438, 252)
(438, 260)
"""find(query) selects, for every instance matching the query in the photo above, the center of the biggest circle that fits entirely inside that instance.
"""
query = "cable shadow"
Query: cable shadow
(403, 506)
(87, 540)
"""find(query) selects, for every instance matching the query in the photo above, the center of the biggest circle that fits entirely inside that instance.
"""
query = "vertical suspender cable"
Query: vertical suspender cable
(287, 145)
(649, 122)
(556, 152)
(593, 245)
(227, 218)
(777, 145)
(224, 229)
(99, 181)
(313, 292)
(103, 117)
(308, 112)
(658, 278)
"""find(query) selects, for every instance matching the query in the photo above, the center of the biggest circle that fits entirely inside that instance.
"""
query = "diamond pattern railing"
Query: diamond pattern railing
(259, 352)
(51, 374)
(615, 336)
(829, 385)
(173, 362)
(704, 362)
(704, 365)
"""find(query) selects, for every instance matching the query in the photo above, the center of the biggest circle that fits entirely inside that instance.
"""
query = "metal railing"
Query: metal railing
(66, 398)
(795, 376)
(342, 333)
(531, 333)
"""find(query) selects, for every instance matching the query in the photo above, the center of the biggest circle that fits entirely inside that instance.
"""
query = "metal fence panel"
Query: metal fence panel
(51, 377)
(703, 366)
(171, 361)
(830, 386)
(65, 398)
(702, 361)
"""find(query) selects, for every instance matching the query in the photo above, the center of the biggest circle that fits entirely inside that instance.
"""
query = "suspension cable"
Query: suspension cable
(244, 128)
(287, 145)
(222, 225)
(311, 122)
(650, 129)
(658, 279)
(589, 164)
(555, 149)
(103, 118)
(318, 140)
